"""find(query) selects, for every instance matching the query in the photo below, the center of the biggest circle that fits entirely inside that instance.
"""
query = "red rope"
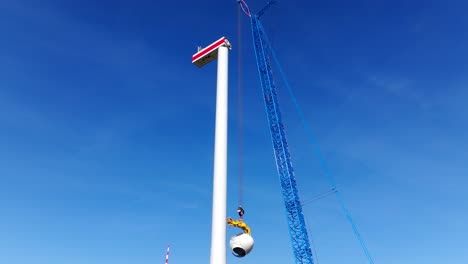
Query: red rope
(245, 8)
(239, 106)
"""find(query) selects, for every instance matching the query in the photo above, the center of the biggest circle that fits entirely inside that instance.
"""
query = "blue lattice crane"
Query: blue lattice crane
(297, 228)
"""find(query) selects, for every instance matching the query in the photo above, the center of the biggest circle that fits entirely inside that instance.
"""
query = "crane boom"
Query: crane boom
(297, 228)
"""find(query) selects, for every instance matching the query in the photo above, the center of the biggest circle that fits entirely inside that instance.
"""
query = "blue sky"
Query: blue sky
(106, 129)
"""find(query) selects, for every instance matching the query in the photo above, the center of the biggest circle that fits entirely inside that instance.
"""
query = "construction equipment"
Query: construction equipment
(240, 224)
(241, 244)
(297, 228)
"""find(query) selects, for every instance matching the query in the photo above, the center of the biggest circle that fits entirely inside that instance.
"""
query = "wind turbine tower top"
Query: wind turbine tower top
(210, 53)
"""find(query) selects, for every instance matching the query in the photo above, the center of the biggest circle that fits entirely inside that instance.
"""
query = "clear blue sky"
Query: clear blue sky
(106, 129)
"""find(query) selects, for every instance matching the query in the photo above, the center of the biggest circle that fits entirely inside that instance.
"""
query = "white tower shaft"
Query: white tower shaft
(218, 229)
(218, 50)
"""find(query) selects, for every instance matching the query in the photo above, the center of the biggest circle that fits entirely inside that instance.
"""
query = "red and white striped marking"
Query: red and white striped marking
(167, 254)
(209, 53)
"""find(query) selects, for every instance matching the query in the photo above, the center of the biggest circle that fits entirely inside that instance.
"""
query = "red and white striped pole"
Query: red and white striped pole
(167, 254)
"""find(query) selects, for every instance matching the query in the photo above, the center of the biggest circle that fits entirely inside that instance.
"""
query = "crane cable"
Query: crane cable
(243, 8)
(239, 108)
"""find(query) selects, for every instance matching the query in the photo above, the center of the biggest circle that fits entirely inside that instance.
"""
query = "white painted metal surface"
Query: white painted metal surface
(218, 229)
(241, 245)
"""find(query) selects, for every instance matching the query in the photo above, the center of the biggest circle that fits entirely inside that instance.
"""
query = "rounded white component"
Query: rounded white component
(241, 244)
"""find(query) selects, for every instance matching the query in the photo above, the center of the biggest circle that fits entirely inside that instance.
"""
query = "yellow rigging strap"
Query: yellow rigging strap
(240, 224)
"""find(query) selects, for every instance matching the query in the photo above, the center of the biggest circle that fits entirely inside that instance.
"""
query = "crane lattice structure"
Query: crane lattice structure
(297, 228)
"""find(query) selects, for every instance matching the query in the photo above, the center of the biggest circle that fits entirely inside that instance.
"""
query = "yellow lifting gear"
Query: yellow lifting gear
(240, 224)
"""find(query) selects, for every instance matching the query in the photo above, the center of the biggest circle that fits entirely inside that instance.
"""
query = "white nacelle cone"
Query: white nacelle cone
(241, 245)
